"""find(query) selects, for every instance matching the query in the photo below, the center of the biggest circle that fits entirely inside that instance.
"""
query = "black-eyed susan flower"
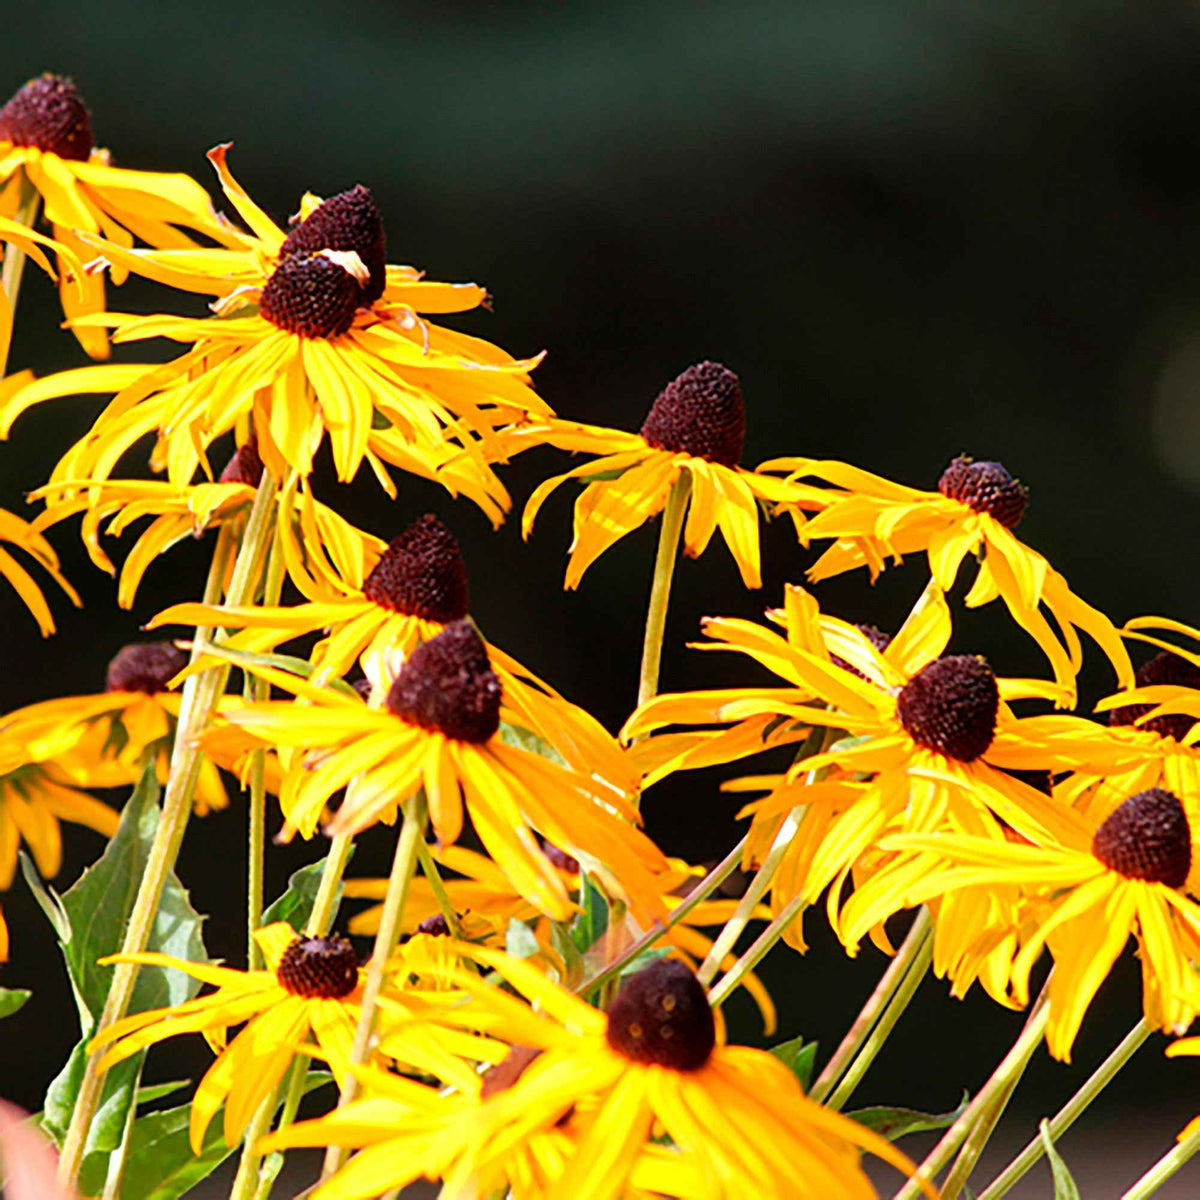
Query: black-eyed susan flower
(46, 145)
(311, 986)
(695, 430)
(485, 901)
(132, 721)
(24, 537)
(1088, 892)
(314, 335)
(438, 728)
(974, 510)
(652, 1068)
(317, 541)
(928, 735)
(414, 587)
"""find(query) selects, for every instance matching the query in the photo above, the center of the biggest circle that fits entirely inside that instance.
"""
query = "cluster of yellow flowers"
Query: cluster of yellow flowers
(541, 1016)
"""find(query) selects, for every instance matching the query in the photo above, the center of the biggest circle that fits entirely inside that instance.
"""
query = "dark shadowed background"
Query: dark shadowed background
(914, 230)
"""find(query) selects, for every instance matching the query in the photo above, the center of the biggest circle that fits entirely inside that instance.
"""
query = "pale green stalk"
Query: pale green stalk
(660, 589)
(199, 698)
(1069, 1113)
(864, 1023)
(699, 893)
(429, 869)
(1164, 1168)
(257, 689)
(1011, 1066)
(919, 956)
(757, 952)
(251, 1180)
(412, 833)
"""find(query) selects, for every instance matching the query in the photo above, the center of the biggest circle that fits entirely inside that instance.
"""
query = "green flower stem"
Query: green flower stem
(257, 690)
(252, 1181)
(200, 695)
(430, 870)
(14, 256)
(700, 892)
(914, 942)
(660, 589)
(757, 952)
(1070, 1112)
(412, 834)
(1011, 1067)
(1164, 1168)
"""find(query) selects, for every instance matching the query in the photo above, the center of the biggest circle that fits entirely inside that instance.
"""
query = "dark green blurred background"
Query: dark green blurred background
(914, 230)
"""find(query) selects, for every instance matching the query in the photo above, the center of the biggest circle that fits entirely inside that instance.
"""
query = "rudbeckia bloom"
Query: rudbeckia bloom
(25, 537)
(739, 1122)
(413, 589)
(314, 334)
(695, 429)
(311, 985)
(1090, 891)
(46, 144)
(132, 721)
(439, 729)
(974, 510)
(928, 734)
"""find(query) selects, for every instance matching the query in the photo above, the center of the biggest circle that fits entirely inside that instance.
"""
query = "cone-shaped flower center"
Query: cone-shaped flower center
(1162, 668)
(347, 221)
(421, 574)
(48, 113)
(311, 295)
(144, 667)
(245, 466)
(447, 684)
(319, 967)
(435, 926)
(661, 1015)
(950, 706)
(1147, 837)
(986, 487)
(700, 413)
(559, 857)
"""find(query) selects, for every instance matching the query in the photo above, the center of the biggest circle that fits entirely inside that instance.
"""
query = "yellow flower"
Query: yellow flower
(412, 588)
(695, 428)
(438, 729)
(133, 720)
(484, 901)
(25, 537)
(46, 144)
(310, 986)
(928, 734)
(1088, 892)
(739, 1122)
(308, 341)
(312, 532)
(974, 511)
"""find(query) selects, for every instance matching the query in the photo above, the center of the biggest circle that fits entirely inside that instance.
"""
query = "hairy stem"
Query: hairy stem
(412, 834)
(200, 695)
(1164, 1168)
(858, 1033)
(660, 589)
(1070, 1112)
(757, 952)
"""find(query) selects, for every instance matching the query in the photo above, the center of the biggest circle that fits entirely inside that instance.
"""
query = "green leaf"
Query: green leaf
(519, 939)
(524, 739)
(156, 1091)
(159, 1164)
(1065, 1187)
(296, 904)
(47, 898)
(893, 1123)
(592, 922)
(12, 1000)
(799, 1057)
(652, 955)
(560, 939)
